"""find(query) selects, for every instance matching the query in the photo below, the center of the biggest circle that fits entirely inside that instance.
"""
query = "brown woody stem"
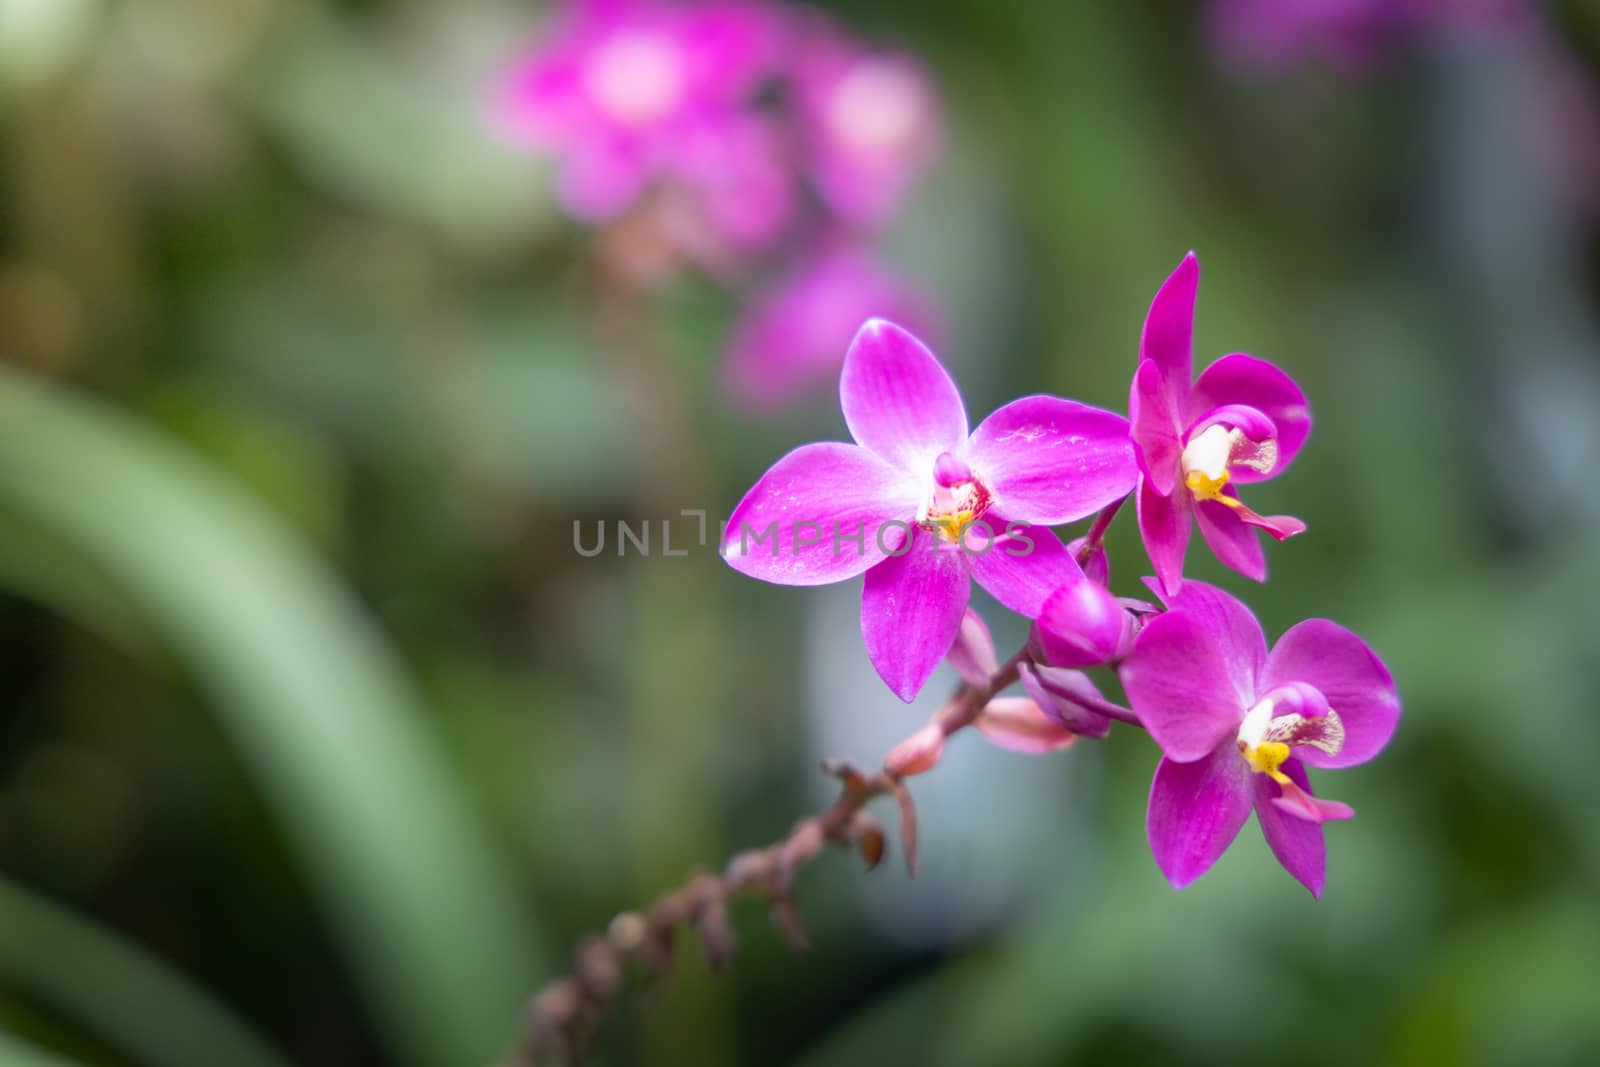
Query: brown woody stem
(564, 1014)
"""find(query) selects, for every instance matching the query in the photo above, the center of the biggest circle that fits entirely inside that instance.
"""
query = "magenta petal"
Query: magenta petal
(823, 513)
(1196, 810)
(911, 611)
(973, 655)
(1230, 539)
(898, 400)
(1051, 461)
(1156, 432)
(1164, 525)
(1017, 723)
(1242, 379)
(1070, 697)
(1354, 680)
(1021, 569)
(1177, 680)
(1236, 631)
(1297, 843)
(537, 102)
(1169, 329)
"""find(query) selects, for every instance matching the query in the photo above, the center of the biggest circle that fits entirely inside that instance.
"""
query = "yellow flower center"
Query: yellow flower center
(950, 509)
(951, 525)
(1207, 487)
(1265, 741)
(1266, 758)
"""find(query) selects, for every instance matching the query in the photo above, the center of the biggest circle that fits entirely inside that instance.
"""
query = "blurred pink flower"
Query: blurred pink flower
(793, 337)
(869, 122)
(627, 90)
(1271, 35)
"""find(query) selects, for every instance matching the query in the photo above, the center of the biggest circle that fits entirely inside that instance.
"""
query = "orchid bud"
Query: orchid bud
(1017, 723)
(1069, 697)
(1096, 564)
(973, 655)
(917, 753)
(1082, 625)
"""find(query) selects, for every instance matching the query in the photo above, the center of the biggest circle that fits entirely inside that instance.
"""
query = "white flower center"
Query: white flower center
(636, 77)
(1208, 453)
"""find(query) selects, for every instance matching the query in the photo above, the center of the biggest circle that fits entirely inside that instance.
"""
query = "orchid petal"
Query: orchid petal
(1242, 379)
(1235, 543)
(1052, 461)
(1352, 678)
(1300, 804)
(1164, 525)
(1020, 568)
(911, 610)
(1196, 811)
(1168, 334)
(823, 513)
(537, 102)
(1155, 429)
(1298, 844)
(1178, 680)
(1018, 724)
(1237, 632)
(898, 400)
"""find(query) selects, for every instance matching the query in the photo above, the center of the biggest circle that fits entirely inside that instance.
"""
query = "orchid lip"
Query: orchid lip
(1266, 741)
(958, 499)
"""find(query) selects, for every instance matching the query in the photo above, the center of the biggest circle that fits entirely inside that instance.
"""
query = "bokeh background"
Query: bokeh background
(321, 745)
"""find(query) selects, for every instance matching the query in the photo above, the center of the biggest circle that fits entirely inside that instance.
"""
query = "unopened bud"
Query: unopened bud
(1018, 724)
(917, 753)
(1082, 625)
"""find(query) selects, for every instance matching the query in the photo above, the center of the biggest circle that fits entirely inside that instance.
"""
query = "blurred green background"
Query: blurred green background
(321, 744)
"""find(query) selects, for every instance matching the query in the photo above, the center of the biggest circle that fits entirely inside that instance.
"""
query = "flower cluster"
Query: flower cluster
(727, 134)
(922, 506)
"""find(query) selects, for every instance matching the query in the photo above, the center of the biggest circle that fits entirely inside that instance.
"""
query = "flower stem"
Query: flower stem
(563, 1015)
(1097, 531)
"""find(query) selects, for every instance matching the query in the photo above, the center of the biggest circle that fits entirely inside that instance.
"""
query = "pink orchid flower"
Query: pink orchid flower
(922, 507)
(869, 119)
(1238, 725)
(1243, 420)
(627, 91)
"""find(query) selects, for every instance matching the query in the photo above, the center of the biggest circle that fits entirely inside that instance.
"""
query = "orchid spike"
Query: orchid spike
(1238, 725)
(922, 507)
(1243, 420)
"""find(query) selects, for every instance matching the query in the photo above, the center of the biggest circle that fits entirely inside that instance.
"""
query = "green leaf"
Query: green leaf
(125, 994)
(315, 700)
(15, 1052)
